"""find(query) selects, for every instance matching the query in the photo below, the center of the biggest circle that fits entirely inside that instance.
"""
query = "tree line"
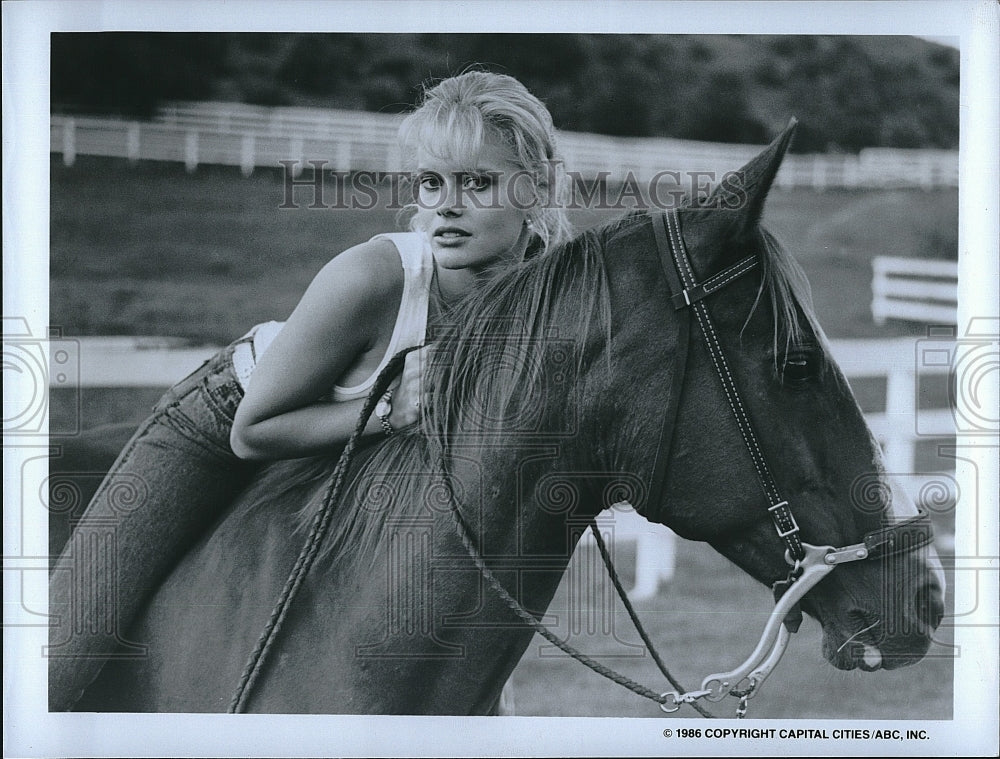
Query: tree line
(847, 92)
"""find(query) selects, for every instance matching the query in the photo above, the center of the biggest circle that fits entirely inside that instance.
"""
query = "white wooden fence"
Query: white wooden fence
(915, 289)
(247, 136)
(152, 362)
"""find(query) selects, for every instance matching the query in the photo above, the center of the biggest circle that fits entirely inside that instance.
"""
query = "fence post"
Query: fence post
(69, 141)
(394, 161)
(297, 150)
(248, 150)
(819, 172)
(879, 311)
(343, 155)
(191, 151)
(899, 412)
(926, 172)
(655, 559)
(787, 174)
(132, 142)
(851, 172)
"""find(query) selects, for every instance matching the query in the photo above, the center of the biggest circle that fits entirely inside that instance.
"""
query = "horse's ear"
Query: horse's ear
(755, 179)
(741, 194)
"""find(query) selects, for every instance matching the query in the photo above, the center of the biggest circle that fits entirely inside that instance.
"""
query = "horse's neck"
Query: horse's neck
(527, 499)
(520, 529)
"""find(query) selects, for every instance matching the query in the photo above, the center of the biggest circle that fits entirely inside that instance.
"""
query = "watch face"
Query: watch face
(382, 408)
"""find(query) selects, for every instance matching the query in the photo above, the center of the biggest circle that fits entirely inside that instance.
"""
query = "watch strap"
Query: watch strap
(384, 418)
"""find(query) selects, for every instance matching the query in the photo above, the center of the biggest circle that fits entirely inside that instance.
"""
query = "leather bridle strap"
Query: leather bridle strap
(910, 534)
(688, 293)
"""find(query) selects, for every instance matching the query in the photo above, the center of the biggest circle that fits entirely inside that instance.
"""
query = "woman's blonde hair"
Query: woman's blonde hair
(458, 114)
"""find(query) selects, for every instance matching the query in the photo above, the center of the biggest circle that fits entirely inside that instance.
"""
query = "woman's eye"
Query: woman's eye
(477, 182)
(429, 182)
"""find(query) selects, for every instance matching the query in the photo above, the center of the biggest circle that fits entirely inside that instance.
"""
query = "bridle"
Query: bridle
(808, 563)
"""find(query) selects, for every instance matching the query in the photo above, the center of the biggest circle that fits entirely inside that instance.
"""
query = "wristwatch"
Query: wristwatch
(383, 409)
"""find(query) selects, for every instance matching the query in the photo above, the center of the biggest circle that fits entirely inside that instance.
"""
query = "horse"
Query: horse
(670, 359)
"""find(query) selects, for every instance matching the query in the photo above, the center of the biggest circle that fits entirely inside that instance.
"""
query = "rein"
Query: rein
(516, 606)
(317, 531)
(809, 564)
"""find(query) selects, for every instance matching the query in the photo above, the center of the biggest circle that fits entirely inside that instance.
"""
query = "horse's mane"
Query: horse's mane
(489, 351)
(789, 294)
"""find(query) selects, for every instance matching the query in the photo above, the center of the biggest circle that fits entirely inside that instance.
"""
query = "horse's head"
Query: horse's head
(788, 403)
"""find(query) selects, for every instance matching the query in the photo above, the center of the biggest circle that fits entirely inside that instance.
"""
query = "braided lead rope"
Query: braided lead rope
(310, 549)
(620, 589)
(537, 626)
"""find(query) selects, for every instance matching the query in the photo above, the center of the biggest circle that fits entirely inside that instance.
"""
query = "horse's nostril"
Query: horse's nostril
(930, 605)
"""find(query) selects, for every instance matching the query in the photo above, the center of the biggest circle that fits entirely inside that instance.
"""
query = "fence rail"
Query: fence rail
(156, 362)
(247, 136)
(914, 289)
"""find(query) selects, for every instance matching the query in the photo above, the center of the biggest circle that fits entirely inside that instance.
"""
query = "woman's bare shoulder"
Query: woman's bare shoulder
(348, 302)
(362, 277)
(369, 269)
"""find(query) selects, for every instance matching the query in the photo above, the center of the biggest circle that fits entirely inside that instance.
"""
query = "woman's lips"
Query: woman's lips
(450, 235)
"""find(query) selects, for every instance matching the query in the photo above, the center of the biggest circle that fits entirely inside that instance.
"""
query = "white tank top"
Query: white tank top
(411, 321)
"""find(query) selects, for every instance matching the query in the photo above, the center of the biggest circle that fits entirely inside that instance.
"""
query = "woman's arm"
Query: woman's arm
(340, 317)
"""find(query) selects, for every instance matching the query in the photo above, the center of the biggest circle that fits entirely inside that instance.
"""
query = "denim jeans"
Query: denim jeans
(176, 476)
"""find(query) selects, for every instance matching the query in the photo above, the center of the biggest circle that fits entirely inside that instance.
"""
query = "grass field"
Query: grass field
(152, 250)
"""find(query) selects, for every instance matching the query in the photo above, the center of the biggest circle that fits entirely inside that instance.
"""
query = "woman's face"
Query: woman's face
(475, 215)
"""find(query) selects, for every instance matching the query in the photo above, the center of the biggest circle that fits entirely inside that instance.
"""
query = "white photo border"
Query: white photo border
(30, 731)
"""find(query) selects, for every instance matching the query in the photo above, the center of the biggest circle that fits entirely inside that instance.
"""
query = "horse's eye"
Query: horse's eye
(799, 367)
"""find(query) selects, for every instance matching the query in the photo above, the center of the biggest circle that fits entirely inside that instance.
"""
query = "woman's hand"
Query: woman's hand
(411, 392)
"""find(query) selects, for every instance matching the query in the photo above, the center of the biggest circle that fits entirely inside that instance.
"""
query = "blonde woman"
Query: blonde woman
(488, 188)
